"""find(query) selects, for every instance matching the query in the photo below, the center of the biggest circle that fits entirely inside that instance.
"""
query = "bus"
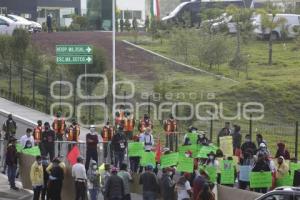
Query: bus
(194, 7)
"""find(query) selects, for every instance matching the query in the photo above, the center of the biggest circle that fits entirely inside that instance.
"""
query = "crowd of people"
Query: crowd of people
(114, 176)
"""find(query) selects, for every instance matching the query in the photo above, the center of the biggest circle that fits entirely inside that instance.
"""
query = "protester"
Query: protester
(114, 189)
(56, 177)
(129, 124)
(183, 188)
(72, 134)
(27, 139)
(119, 144)
(248, 146)
(91, 146)
(260, 139)
(107, 133)
(261, 165)
(104, 178)
(206, 193)
(80, 178)
(236, 140)
(48, 138)
(226, 131)
(126, 177)
(198, 184)
(282, 169)
(37, 177)
(45, 164)
(202, 139)
(150, 184)
(170, 128)
(9, 128)
(213, 162)
(246, 161)
(263, 150)
(11, 160)
(147, 139)
(134, 160)
(167, 184)
(281, 151)
(93, 181)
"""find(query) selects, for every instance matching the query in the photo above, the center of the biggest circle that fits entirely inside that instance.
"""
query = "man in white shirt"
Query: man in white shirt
(27, 140)
(79, 175)
(148, 139)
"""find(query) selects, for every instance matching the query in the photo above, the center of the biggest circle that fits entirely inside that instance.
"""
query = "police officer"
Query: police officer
(107, 134)
(59, 127)
(129, 123)
(144, 123)
(72, 134)
(91, 146)
(170, 127)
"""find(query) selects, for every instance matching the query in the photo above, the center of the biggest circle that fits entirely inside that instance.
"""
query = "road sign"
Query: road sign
(74, 59)
(74, 49)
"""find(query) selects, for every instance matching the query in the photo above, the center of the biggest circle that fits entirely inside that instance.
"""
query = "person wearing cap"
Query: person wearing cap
(107, 133)
(282, 169)
(170, 127)
(127, 178)
(47, 143)
(129, 124)
(80, 178)
(119, 144)
(72, 134)
(150, 184)
(262, 149)
(37, 132)
(11, 160)
(114, 188)
(56, 177)
(37, 177)
(148, 139)
(144, 123)
(167, 184)
(91, 146)
(27, 139)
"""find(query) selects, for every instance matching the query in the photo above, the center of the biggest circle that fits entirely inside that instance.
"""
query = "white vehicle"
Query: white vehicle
(7, 26)
(29, 25)
(224, 20)
(291, 25)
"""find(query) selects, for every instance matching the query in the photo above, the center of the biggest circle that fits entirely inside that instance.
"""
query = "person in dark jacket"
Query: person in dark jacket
(45, 164)
(91, 147)
(281, 151)
(48, 138)
(150, 184)
(11, 161)
(236, 139)
(49, 23)
(260, 139)
(114, 189)
(261, 165)
(56, 178)
(226, 131)
(248, 146)
(119, 144)
(167, 184)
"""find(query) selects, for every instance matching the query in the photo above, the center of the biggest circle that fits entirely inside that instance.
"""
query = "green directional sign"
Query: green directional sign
(74, 49)
(74, 59)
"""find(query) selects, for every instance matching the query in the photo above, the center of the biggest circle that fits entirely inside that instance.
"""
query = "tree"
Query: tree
(82, 21)
(269, 22)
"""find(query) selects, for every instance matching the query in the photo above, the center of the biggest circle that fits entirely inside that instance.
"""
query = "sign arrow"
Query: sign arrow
(89, 59)
(88, 49)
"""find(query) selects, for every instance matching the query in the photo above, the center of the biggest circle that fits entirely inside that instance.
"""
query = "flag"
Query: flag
(73, 155)
(157, 9)
(158, 151)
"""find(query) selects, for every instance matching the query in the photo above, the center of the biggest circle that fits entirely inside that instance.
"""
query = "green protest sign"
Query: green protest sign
(135, 149)
(211, 172)
(227, 172)
(284, 181)
(169, 160)
(19, 147)
(193, 148)
(193, 137)
(204, 150)
(185, 164)
(34, 151)
(260, 179)
(148, 158)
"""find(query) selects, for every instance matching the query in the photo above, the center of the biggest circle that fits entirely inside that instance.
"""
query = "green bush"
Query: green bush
(75, 27)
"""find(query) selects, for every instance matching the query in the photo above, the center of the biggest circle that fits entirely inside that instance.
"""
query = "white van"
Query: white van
(7, 26)
(30, 25)
(292, 23)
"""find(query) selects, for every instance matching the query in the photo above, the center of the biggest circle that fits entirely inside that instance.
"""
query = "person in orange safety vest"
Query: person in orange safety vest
(72, 133)
(144, 123)
(107, 134)
(128, 124)
(59, 127)
(120, 114)
(170, 127)
(37, 132)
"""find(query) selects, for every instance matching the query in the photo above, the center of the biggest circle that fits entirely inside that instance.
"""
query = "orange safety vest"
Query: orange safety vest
(107, 133)
(37, 133)
(145, 124)
(73, 133)
(61, 129)
(170, 126)
(128, 124)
